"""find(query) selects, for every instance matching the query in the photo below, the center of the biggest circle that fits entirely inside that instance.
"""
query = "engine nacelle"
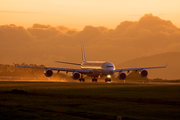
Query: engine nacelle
(143, 73)
(48, 73)
(122, 76)
(75, 75)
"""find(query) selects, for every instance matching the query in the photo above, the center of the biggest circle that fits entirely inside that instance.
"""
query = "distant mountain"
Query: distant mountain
(171, 72)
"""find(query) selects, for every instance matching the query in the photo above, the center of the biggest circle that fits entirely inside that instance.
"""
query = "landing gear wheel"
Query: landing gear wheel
(81, 80)
(94, 80)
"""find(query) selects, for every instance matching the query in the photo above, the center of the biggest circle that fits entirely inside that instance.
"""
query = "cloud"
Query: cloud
(14, 35)
(43, 31)
(130, 39)
(47, 32)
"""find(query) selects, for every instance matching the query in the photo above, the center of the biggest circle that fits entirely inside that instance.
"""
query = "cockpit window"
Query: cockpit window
(109, 66)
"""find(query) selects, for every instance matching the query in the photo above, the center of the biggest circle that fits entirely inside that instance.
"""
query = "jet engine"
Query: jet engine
(75, 75)
(122, 76)
(143, 73)
(48, 73)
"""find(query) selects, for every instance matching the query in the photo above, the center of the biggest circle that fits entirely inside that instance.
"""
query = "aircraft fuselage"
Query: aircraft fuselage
(97, 68)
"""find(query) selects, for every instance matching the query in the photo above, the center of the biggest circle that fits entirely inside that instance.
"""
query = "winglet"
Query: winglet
(166, 64)
(15, 64)
(83, 53)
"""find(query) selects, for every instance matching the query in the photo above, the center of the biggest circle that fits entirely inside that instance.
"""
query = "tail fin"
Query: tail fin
(83, 53)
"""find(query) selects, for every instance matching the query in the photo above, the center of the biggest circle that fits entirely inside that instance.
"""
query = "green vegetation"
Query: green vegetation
(82, 101)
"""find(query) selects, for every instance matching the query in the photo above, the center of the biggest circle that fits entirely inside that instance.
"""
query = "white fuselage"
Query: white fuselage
(99, 68)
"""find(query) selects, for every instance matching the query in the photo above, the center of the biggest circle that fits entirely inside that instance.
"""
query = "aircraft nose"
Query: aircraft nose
(111, 70)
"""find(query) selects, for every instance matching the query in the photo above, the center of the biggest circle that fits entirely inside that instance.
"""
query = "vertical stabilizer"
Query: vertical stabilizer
(83, 53)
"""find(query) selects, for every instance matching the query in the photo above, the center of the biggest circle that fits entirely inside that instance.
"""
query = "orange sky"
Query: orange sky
(79, 13)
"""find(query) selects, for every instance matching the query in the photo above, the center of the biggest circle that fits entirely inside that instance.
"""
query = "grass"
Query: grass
(82, 101)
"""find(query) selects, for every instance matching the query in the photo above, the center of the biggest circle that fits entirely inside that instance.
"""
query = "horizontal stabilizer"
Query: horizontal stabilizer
(68, 63)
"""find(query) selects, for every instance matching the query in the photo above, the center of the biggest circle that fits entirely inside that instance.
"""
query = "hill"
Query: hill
(171, 72)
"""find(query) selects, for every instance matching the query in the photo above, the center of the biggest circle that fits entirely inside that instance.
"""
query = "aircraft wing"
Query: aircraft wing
(58, 69)
(134, 69)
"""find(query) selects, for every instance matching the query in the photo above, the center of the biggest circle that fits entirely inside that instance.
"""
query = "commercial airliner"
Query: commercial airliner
(94, 69)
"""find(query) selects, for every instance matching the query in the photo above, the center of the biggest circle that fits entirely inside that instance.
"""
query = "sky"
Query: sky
(79, 13)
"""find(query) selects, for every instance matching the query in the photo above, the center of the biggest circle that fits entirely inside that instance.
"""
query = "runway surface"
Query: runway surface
(25, 79)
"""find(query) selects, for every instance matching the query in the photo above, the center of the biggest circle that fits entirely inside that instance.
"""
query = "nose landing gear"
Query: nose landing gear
(108, 80)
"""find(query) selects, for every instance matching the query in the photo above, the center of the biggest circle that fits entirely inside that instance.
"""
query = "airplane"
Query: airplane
(94, 69)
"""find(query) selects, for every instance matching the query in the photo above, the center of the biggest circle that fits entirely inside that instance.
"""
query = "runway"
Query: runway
(25, 79)
(40, 99)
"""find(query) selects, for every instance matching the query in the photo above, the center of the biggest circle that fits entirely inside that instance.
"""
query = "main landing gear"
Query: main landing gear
(81, 79)
(106, 80)
(94, 80)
